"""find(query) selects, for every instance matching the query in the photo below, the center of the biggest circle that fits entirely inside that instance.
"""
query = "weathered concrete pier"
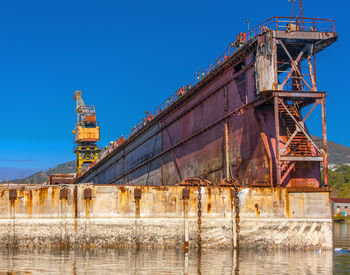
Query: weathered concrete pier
(164, 216)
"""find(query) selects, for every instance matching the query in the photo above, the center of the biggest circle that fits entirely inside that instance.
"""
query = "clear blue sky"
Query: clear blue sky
(127, 57)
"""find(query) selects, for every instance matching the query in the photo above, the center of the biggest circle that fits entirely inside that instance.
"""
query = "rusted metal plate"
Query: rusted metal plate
(12, 194)
(87, 193)
(60, 179)
(64, 193)
(307, 189)
(185, 193)
(137, 193)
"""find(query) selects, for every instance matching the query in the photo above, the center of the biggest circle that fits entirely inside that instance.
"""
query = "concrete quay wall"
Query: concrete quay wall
(163, 216)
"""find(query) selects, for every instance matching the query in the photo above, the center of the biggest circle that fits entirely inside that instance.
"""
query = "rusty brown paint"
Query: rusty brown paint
(63, 194)
(137, 208)
(232, 202)
(54, 196)
(174, 202)
(87, 206)
(257, 210)
(199, 221)
(209, 205)
(208, 208)
(307, 189)
(12, 194)
(279, 193)
(29, 202)
(87, 193)
(185, 193)
(123, 198)
(42, 195)
(12, 207)
(75, 207)
(137, 193)
(287, 206)
(185, 208)
(162, 188)
(235, 215)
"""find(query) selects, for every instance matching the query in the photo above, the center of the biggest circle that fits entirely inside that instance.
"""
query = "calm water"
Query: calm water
(126, 261)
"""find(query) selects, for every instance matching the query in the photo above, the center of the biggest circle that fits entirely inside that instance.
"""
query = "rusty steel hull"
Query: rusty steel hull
(188, 139)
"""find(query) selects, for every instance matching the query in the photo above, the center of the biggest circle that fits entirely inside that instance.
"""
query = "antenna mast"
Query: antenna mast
(301, 11)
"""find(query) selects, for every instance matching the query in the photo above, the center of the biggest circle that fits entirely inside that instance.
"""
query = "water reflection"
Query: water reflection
(172, 261)
(126, 261)
(341, 236)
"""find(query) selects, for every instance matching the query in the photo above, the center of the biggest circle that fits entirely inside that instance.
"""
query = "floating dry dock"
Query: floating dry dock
(226, 162)
(240, 124)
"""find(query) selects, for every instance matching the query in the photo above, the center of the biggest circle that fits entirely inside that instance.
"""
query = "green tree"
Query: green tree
(339, 180)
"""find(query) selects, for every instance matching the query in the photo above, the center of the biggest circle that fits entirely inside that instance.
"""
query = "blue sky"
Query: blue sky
(127, 57)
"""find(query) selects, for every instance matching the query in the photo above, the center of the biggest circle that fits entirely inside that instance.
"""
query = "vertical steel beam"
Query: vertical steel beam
(275, 64)
(162, 171)
(324, 140)
(276, 112)
(227, 156)
(277, 137)
(311, 70)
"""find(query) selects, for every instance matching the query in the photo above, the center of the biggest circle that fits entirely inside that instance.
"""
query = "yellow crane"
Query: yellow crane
(86, 133)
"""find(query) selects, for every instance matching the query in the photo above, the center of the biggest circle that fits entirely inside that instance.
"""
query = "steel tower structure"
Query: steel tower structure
(87, 133)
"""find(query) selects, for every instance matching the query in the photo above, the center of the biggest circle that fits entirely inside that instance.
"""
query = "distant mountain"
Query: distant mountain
(10, 173)
(337, 153)
(39, 177)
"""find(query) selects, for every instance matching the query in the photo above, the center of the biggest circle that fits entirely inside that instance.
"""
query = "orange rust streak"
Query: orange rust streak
(287, 205)
(42, 195)
(137, 201)
(29, 201)
(123, 199)
(54, 196)
(87, 206)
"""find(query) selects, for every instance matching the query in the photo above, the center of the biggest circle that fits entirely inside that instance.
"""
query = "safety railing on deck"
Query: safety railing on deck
(292, 24)
(289, 24)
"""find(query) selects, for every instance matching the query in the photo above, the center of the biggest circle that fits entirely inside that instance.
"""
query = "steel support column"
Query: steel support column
(324, 141)
(277, 137)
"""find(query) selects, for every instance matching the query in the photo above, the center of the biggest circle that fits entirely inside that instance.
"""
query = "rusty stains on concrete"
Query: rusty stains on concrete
(29, 202)
(279, 193)
(257, 209)
(287, 207)
(42, 195)
(137, 208)
(123, 199)
(208, 208)
(158, 219)
(199, 220)
(87, 207)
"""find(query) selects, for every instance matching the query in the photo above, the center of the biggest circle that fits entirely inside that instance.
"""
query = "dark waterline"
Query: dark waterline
(171, 261)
